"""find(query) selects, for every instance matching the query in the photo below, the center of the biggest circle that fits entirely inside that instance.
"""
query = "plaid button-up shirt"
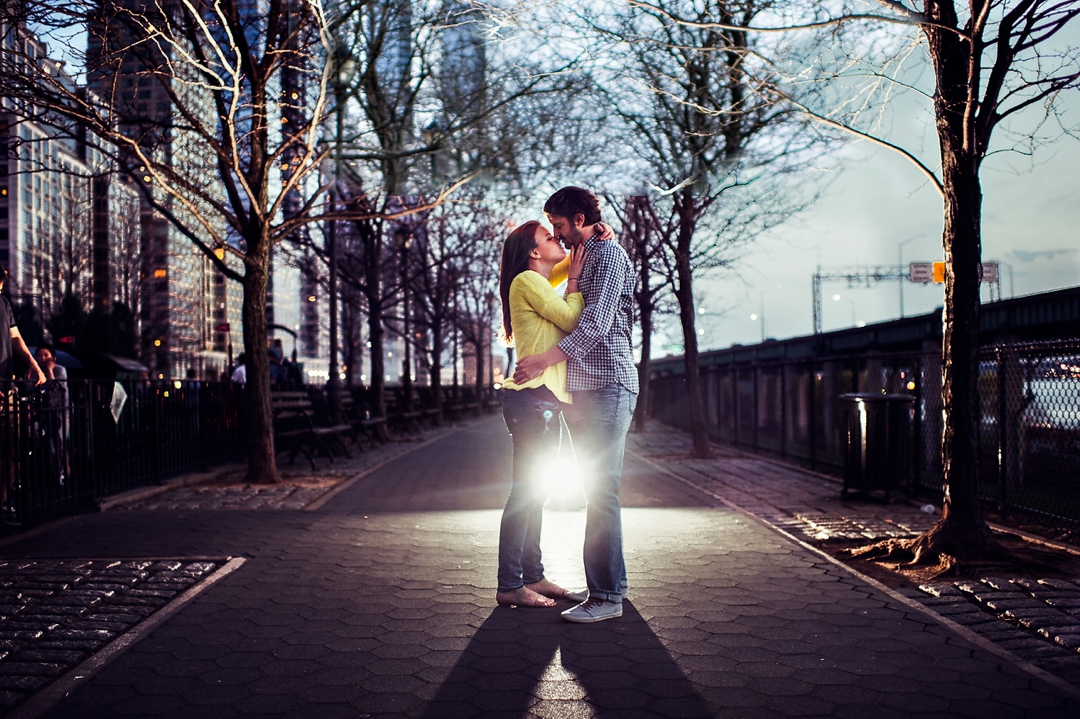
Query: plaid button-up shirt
(600, 351)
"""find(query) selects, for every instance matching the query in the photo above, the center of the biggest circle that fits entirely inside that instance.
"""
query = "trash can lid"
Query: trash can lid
(871, 397)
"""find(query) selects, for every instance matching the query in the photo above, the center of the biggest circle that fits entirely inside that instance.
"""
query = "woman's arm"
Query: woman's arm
(547, 303)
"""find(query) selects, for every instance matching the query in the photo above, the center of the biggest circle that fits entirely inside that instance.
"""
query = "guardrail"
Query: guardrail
(61, 446)
(1029, 416)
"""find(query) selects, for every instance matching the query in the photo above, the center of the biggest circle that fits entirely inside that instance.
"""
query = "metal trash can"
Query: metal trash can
(875, 441)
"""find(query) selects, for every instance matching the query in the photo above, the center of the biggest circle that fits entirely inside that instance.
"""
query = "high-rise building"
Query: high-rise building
(180, 295)
(65, 219)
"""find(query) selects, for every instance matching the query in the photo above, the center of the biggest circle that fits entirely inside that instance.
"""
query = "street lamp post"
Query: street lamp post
(900, 250)
(761, 317)
(404, 239)
(344, 65)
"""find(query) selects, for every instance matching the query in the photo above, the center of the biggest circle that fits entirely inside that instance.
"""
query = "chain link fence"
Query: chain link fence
(1029, 436)
(60, 446)
(1029, 418)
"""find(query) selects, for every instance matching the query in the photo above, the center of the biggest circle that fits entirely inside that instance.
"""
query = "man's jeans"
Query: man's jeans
(599, 420)
(536, 429)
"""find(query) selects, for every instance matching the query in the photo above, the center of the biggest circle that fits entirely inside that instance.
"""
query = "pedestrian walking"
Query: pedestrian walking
(602, 380)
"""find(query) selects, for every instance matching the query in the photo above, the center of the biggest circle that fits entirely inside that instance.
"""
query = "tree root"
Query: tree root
(943, 544)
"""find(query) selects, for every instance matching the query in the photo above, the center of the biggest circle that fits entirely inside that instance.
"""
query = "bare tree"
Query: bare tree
(216, 157)
(430, 98)
(995, 65)
(641, 236)
(708, 128)
(477, 299)
(992, 60)
(443, 257)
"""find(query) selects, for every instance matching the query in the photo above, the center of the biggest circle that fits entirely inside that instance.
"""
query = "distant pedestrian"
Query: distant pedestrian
(55, 419)
(239, 374)
(602, 379)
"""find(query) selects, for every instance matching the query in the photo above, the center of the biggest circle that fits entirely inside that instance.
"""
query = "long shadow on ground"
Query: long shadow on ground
(523, 661)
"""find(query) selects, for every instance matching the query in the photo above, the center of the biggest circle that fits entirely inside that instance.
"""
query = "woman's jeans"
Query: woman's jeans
(599, 420)
(535, 426)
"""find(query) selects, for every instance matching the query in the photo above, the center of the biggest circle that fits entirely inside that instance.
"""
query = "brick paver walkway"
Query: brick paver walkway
(1036, 618)
(382, 603)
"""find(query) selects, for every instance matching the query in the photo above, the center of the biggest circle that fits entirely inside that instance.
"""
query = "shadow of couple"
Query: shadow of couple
(524, 662)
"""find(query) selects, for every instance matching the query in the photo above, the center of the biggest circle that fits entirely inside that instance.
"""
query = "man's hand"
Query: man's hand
(529, 368)
(40, 374)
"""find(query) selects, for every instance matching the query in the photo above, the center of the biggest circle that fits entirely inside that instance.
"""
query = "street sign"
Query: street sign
(921, 272)
(939, 273)
(990, 272)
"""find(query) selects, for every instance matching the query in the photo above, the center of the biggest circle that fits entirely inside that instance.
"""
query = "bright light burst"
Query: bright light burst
(563, 480)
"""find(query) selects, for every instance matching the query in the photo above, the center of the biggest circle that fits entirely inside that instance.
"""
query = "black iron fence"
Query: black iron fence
(63, 444)
(1029, 419)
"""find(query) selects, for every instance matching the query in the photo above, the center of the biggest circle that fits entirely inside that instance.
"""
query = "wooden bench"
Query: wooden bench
(396, 415)
(297, 429)
(466, 404)
(359, 416)
(432, 415)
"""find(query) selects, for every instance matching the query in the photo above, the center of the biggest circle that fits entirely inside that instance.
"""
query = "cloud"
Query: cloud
(1027, 256)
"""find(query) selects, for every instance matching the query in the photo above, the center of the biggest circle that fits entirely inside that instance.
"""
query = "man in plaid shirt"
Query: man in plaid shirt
(603, 379)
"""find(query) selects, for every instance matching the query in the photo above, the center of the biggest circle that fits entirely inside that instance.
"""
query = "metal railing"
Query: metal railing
(1029, 416)
(60, 446)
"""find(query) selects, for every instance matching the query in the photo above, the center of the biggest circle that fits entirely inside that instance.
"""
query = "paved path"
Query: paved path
(382, 603)
(1035, 618)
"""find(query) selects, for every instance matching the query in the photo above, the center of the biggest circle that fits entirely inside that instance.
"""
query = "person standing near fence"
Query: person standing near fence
(56, 409)
(603, 381)
(11, 341)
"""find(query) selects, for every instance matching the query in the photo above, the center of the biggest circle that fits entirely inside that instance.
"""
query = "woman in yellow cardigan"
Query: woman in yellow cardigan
(535, 319)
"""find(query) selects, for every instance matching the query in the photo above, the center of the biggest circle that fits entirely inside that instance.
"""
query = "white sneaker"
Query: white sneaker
(593, 610)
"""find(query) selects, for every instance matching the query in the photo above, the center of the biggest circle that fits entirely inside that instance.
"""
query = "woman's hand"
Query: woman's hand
(606, 233)
(577, 263)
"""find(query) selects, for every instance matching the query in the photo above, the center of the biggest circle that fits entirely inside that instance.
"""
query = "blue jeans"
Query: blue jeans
(599, 420)
(535, 427)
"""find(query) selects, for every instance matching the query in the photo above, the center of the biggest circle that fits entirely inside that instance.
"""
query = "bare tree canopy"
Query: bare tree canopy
(989, 75)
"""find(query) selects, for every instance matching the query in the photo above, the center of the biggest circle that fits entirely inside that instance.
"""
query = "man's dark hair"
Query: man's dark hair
(570, 201)
(46, 346)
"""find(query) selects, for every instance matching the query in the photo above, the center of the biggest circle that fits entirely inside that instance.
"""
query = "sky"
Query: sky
(1031, 224)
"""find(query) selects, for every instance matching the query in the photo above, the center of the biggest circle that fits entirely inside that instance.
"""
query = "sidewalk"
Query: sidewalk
(1034, 617)
(381, 603)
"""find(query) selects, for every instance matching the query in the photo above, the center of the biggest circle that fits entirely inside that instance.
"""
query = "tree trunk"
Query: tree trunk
(436, 369)
(685, 294)
(378, 360)
(641, 413)
(961, 530)
(480, 375)
(262, 467)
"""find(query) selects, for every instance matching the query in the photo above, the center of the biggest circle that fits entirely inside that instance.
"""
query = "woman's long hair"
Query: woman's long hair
(515, 260)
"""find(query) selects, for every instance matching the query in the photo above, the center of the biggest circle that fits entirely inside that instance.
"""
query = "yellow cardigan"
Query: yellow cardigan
(541, 319)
